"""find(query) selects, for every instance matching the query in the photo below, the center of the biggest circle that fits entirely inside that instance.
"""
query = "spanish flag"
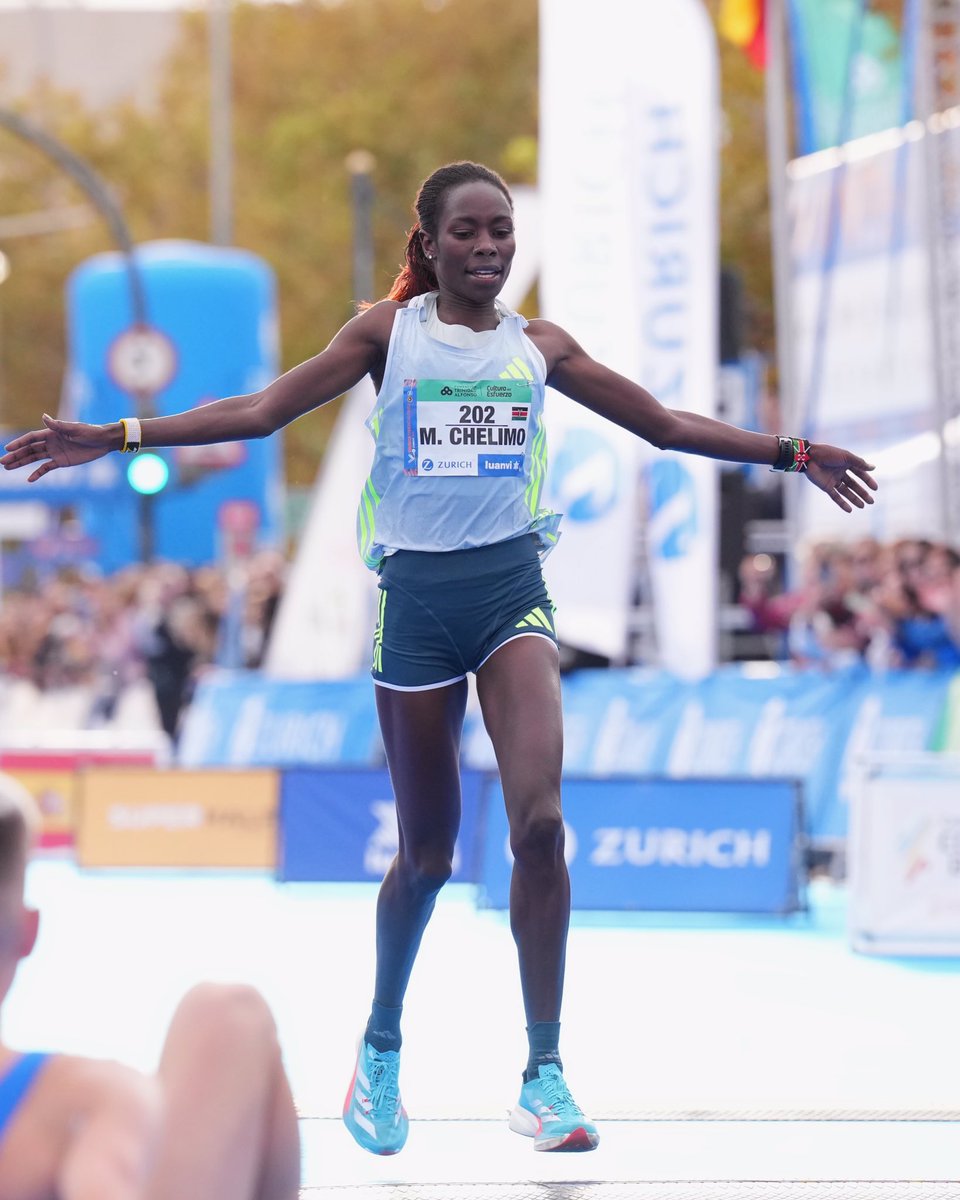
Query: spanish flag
(741, 22)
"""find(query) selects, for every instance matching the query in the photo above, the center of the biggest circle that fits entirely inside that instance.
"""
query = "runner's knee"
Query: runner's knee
(228, 1013)
(537, 840)
(427, 868)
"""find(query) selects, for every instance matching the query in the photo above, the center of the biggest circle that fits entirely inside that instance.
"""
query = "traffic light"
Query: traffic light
(148, 473)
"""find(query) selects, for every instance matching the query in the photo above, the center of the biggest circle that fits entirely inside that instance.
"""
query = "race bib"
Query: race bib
(455, 428)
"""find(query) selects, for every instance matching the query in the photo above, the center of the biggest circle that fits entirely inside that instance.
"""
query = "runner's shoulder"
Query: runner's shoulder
(374, 324)
(100, 1080)
(553, 342)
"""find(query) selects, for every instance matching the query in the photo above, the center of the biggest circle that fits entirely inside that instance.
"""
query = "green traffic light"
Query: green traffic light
(148, 474)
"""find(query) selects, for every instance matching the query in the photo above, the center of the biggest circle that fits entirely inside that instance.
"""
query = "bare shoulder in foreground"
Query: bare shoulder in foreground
(87, 1128)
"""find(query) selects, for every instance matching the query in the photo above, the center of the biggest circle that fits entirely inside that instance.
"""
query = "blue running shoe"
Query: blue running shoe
(549, 1114)
(372, 1110)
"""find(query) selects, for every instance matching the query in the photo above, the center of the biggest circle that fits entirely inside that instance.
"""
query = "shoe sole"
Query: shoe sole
(577, 1141)
(574, 1141)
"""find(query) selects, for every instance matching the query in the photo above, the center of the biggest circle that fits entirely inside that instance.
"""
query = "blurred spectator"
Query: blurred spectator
(925, 634)
(125, 652)
(761, 594)
(825, 629)
(88, 652)
(889, 606)
(179, 643)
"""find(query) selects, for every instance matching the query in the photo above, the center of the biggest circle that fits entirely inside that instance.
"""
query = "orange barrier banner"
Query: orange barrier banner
(174, 818)
(50, 776)
(55, 792)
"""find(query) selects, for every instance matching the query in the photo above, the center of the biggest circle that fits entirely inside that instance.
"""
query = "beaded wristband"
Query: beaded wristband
(801, 454)
(794, 454)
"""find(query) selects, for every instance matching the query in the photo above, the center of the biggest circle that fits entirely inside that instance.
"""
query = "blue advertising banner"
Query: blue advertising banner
(96, 479)
(617, 722)
(240, 718)
(341, 826)
(776, 722)
(758, 722)
(705, 845)
(614, 722)
(764, 720)
(790, 723)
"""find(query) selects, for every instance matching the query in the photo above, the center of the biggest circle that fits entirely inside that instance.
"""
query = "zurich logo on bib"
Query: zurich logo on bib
(585, 476)
(673, 508)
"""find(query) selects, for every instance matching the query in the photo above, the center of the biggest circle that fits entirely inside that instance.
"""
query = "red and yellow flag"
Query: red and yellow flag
(741, 22)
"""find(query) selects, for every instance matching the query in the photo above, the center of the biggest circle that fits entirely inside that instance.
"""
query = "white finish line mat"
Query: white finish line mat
(640, 1190)
(660, 1160)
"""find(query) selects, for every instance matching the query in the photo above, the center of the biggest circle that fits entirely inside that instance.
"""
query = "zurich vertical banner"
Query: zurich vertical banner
(628, 181)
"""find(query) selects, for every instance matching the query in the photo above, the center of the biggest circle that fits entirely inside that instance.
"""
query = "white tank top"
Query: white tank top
(461, 451)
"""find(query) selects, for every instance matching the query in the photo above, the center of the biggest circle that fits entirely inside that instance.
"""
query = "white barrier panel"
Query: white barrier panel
(904, 857)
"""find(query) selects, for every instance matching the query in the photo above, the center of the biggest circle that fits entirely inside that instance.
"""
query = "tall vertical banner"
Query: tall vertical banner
(863, 328)
(628, 178)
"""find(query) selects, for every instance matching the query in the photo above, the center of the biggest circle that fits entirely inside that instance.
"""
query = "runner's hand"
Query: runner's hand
(845, 477)
(58, 444)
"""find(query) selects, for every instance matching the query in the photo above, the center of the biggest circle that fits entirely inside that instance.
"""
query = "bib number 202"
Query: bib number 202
(476, 414)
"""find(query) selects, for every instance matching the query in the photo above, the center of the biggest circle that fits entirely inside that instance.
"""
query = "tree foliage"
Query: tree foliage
(448, 79)
(744, 193)
(453, 79)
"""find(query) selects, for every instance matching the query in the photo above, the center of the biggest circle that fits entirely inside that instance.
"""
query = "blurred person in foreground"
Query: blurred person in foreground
(451, 520)
(216, 1122)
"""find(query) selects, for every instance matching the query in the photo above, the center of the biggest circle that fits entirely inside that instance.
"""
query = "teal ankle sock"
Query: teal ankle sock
(544, 1041)
(383, 1028)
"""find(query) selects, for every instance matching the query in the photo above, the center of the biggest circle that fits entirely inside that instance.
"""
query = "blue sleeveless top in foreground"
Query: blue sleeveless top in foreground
(461, 451)
(16, 1083)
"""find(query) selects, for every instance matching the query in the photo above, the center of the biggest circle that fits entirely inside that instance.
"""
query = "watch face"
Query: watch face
(142, 360)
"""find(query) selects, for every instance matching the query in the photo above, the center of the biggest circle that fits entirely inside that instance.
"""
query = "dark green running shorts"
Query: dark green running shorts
(443, 614)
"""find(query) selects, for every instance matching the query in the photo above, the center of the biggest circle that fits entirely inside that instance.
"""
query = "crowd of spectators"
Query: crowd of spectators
(85, 651)
(891, 605)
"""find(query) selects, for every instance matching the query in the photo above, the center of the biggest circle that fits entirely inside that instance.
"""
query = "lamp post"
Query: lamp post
(360, 164)
(97, 191)
(221, 123)
(4, 276)
(778, 156)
